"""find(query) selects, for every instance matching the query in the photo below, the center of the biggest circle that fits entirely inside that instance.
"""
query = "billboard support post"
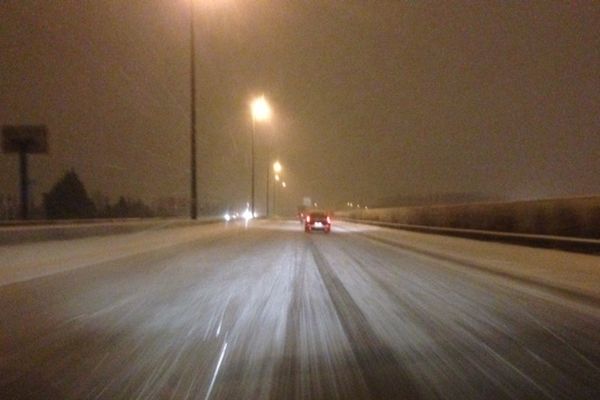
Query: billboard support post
(24, 139)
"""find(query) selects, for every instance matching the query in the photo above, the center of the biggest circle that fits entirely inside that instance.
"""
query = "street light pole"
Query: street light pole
(283, 186)
(268, 176)
(275, 185)
(277, 169)
(253, 135)
(260, 112)
(193, 187)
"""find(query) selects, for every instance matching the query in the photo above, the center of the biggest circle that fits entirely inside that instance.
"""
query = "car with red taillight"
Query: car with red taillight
(317, 220)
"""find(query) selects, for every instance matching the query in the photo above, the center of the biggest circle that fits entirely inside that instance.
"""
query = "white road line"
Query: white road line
(214, 378)
(219, 328)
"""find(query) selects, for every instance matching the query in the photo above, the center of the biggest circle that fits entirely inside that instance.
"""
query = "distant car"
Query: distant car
(317, 220)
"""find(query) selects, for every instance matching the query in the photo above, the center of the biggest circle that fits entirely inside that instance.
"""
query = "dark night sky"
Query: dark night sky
(371, 99)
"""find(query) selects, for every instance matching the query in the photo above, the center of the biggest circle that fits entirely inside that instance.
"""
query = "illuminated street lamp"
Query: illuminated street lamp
(261, 111)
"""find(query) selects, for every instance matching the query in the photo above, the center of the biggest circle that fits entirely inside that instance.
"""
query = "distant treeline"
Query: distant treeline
(68, 199)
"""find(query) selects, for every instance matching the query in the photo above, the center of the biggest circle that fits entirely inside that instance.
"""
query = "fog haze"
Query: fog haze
(370, 100)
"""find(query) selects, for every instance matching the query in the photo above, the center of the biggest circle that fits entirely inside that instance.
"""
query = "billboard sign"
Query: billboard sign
(25, 138)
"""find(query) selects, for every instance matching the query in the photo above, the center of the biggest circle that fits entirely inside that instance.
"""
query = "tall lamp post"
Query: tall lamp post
(261, 111)
(193, 185)
(277, 169)
(283, 186)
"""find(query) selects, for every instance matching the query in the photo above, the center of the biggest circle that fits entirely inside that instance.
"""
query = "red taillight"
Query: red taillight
(328, 219)
(308, 218)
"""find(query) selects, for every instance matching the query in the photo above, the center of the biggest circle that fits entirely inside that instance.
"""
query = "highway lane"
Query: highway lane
(267, 311)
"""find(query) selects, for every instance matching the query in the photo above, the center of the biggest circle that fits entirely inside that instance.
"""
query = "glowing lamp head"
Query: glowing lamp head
(261, 111)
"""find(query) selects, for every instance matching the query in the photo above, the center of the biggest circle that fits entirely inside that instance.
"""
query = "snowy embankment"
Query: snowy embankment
(57, 230)
(20, 262)
(572, 274)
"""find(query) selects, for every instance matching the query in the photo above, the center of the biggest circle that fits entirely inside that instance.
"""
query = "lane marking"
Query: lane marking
(214, 378)
(219, 328)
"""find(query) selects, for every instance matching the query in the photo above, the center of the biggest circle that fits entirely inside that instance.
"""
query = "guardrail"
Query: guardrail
(547, 241)
(568, 217)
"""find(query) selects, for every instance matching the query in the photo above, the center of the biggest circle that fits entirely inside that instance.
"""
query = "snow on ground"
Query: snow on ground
(32, 260)
(556, 268)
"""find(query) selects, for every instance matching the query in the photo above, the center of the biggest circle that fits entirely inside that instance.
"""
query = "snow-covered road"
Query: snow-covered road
(267, 311)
